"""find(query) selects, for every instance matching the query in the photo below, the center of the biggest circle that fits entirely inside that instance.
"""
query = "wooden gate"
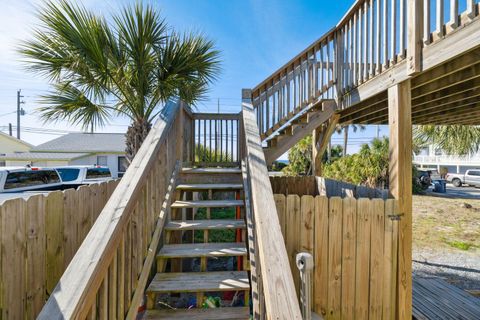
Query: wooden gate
(354, 244)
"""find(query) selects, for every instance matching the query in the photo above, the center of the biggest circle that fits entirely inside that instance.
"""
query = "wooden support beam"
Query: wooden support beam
(400, 176)
(320, 139)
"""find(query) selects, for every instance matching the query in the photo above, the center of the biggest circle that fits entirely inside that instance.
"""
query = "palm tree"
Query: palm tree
(453, 139)
(345, 129)
(128, 67)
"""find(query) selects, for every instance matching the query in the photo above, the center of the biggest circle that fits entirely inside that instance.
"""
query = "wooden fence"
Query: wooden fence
(355, 245)
(310, 185)
(39, 237)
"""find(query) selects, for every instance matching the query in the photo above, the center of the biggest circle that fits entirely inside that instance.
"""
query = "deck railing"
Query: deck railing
(371, 38)
(273, 289)
(215, 139)
(107, 276)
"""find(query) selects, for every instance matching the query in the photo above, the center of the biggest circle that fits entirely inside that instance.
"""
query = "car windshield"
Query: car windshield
(68, 174)
(94, 173)
(31, 178)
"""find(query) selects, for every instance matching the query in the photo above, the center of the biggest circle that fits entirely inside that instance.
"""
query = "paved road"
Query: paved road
(460, 193)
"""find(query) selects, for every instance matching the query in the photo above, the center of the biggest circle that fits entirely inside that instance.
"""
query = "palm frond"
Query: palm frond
(453, 139)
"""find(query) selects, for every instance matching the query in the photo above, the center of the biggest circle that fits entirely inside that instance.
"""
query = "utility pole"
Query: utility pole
(378, 131)
(10, 129)
(20, 111)
(218, 105)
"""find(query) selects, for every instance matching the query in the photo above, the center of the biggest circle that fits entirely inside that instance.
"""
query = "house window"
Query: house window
(2, 164)
(122, 165)
(102, 161)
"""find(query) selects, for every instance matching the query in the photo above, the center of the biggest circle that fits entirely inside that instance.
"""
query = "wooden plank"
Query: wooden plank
(224, 313)
(199, 282)
(349, 233)
(70, 218)
(389, 261)
(376, 258)
(54, 235)
(364, 216)
(35, 247)
(307, 223)
(334, 258)
(293, 219)
(272, 253)
(414, 35)
(207, 204)
(212, 224)
(193, 250)
(280, 204)
(400, 173)
(321, 255)
(13, 274)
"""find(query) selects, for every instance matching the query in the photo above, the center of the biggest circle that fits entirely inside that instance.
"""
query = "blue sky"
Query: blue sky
(255, 37)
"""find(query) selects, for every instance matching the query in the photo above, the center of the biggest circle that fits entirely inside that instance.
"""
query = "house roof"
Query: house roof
(37, 156)
(85, 143)
(16, 140)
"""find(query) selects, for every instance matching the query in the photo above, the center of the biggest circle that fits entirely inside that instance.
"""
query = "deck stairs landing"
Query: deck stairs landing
(179, 248)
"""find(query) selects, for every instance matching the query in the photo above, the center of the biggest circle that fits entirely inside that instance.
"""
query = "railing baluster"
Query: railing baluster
(386, 60)
(393, 31)
(355, 49)
(372, 42)
(365, 42)
(426, 22)
(288, 93)
(378, 37)
(216, 139)
(210, 138)
(231, 140)
(453, 23)
(226, 140)
(401, 47)
(439, 18)
(205, 139)
(349, 59)
(328, 66)
(221, 140)
(471, 9)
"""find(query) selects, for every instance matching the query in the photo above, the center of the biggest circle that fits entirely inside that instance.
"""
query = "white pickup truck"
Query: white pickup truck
(75, 176)
(471, 178)
(21, 179)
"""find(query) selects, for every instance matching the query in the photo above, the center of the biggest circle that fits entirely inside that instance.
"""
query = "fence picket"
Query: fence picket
(321, 255)
(376, 258)
(348, 257)
(54, 233)
(334, 258)
(364, 208)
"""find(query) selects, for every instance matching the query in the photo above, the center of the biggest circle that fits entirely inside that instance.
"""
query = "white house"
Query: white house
(435, 158)
(106, 149)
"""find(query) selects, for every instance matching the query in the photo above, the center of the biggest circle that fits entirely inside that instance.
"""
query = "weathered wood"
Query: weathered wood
(321, 255)
(400, 173)
(272, 253)
(292, 237)
(414, 35)
(376, 259)
(349, 235)
(334, 258)
(54, 235)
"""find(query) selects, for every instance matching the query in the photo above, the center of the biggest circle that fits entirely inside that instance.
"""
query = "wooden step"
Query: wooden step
(210, 186)
(199, 282)
(207, 204)
(235, 313)
(194, 250)
(210, 224)
(212, 170)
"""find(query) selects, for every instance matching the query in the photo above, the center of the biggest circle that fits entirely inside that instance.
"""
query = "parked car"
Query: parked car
(470, 177)
(21, 179)
(74, 176)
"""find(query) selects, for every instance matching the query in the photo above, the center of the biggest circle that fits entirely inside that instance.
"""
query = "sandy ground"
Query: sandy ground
(446, 239)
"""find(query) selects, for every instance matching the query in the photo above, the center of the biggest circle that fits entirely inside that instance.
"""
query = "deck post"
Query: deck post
(415, 36)
(400, 183)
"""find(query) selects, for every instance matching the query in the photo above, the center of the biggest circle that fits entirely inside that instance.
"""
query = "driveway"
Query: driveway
(460, 193)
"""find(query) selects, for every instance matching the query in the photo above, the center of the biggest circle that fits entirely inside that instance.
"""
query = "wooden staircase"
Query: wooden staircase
(297, 128)
(179, 245)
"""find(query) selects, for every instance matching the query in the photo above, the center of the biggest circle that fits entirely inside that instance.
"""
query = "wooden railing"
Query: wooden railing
(371, 38)
(274, 295)
(215, 139)
(107, 276)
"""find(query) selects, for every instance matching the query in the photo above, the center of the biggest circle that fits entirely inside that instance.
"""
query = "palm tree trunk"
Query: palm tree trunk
(136, 134)
(345, 140)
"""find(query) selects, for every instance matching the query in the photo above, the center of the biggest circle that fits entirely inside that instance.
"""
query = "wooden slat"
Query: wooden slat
(192, 250)
(364, 216)
(349, 257)
(207, 204)
(54, 236)
(321, 255)
(224, 313)
(307, 222)
(335, 258)
(199, 281)
(389, 261)
(293, 218)
(210, 186)
(376, 259)
(280, 204)
(210, 224)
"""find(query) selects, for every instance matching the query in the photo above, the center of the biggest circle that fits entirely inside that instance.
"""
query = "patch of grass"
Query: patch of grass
(459, 245)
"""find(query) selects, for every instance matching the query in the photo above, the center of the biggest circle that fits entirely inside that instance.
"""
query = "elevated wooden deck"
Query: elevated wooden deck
(434, 298)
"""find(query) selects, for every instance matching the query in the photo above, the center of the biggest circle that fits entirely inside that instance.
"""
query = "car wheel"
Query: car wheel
(457, 183)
